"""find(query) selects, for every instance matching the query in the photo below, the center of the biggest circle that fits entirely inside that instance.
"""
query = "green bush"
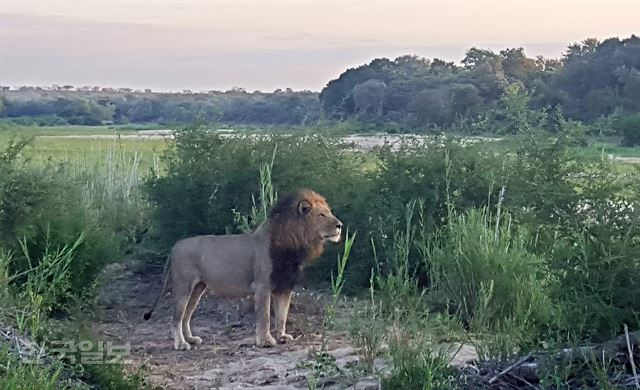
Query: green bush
(584, 218)
(480, 266)
(595, 275)
(488, 275)
(416, 366)
(209, 179)
(48, 209)
(437, 174)
(212, 175)
(16, 375)
(629, 129)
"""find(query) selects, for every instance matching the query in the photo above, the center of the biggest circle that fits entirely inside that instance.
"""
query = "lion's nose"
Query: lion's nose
(339, 225)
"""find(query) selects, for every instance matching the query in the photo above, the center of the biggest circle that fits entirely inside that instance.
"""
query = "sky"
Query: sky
(264, 45)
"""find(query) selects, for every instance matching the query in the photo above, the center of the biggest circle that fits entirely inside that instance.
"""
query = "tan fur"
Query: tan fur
(240, 264)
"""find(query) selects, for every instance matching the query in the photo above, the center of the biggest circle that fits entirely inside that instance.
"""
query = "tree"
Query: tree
(439, 66)
(629, 79)
(369, 96)
(431, 107)
(576, 50)
(141, 111)
(517, 66)
(514, 112)
(475, 58)
(485, 72)
(629, 129)
(599, 77)
(466, 100)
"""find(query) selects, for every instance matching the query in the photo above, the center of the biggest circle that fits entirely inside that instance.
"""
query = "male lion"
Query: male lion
(266, 263)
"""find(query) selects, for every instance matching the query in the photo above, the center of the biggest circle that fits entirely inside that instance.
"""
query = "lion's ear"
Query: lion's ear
(304, 207)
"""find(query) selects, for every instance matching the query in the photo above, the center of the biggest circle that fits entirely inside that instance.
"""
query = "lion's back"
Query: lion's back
(225, 263)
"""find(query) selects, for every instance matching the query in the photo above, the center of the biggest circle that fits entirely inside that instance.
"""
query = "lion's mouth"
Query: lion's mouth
(332, 237)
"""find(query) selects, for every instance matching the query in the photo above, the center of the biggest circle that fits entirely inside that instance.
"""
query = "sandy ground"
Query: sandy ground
(227, 359)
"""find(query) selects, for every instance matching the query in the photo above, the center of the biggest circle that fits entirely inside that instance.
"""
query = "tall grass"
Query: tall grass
(109, 183)
(28, 304)
(337, 284)
(484, 270)
(417, 365)
(47, 285)
(397, 286)
(16, 375)
(266, 199)
(50, 203)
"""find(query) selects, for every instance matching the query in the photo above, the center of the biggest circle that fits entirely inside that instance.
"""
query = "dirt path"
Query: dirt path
(227, 359)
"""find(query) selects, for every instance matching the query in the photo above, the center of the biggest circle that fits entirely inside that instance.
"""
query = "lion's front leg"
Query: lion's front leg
(263, 302)
(281, 302)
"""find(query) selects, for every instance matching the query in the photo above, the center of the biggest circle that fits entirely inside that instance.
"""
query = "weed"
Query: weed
(267, 198)
(484, 272)
(367, 329)
(416, 365)
(17, 375)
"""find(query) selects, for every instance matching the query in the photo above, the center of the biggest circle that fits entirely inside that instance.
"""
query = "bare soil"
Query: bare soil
(227, 359)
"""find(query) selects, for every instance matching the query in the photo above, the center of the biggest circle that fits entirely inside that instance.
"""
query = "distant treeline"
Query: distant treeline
(95, 105)
(592, 80)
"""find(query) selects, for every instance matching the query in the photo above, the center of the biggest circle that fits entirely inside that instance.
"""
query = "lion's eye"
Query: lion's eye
(322, 215)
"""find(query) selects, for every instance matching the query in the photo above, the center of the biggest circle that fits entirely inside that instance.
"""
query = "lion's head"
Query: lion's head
(299, 225)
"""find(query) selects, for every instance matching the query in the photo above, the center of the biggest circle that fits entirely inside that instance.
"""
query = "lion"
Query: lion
(266, 263)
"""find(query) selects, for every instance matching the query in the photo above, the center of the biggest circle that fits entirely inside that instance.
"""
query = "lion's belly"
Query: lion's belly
(230, 290)
(228, 279)
(226, 265)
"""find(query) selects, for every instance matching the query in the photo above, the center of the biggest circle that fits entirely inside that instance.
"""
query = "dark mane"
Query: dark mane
(293, 239)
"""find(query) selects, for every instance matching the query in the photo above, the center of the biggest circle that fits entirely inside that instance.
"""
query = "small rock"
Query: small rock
(367, 384)
(342, 352)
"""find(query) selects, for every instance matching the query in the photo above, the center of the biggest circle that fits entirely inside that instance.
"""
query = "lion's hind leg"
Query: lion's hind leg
(196, 294)
(181, 299)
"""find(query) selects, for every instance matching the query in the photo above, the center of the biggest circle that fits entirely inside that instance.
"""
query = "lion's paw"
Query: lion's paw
(194, 340)
(182, 346)
(284, 338)
(265, 342)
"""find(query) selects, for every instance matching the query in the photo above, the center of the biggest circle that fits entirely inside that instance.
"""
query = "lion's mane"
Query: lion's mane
(294, 238)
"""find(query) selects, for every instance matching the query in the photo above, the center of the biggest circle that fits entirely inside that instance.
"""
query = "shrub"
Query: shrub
(584, 215)
(47, 284)
(594, 277)
(16, 375)
(482, 269)
(211, 179)
(47, 209)
(417, 366)
(629, 129)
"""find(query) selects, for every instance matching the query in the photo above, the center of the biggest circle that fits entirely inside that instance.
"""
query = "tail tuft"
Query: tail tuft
(147, 315)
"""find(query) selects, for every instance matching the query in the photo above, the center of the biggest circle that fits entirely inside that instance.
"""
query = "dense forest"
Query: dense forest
(593, 80)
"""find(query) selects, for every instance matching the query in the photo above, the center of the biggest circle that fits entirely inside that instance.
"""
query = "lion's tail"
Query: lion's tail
(165, 276)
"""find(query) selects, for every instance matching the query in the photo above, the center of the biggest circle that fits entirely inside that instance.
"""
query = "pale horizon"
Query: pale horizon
(268, 45)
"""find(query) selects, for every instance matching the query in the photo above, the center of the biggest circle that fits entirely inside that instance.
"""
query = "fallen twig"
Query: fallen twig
(633, 364)
(511, 367)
